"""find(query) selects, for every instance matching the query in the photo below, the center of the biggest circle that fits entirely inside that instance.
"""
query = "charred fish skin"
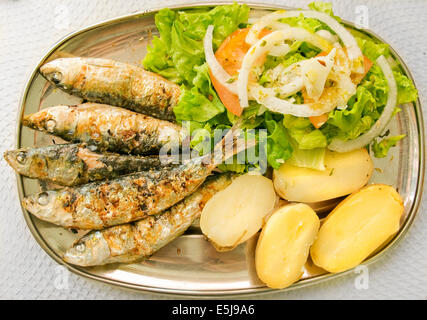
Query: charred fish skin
(128, 198)
(140, 239)
(115, 83)
(75, 164)
(106, 127)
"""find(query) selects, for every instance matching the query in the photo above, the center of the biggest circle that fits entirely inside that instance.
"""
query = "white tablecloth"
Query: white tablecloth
(28, 28)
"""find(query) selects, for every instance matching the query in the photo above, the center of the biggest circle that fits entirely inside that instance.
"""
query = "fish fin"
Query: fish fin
(232, 143)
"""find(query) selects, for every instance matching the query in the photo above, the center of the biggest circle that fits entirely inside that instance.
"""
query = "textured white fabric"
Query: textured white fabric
(29, 27)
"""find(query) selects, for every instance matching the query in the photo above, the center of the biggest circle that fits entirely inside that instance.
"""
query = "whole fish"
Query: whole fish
(106, 127)
(115, 83)
(75, 164)
(128, 198)
(140, 239)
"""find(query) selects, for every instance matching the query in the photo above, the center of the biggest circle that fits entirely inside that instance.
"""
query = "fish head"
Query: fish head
(62, 72)
(26, 162)
(49, 206)
(54, 120)
(91, 250)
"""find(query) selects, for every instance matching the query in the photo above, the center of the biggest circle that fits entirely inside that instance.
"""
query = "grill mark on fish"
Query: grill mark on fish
(115, 83)
(106, 127)
(137, 240)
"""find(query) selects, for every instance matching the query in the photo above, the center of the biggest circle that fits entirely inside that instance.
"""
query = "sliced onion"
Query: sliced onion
(346, 37)
(328, 36)
(278, 51)
(284, 91)
(379, 126)
(264, 45)
(217, 70)
(283, 106)
(276, 25)
(251, 56)
(265, 21)
(354, 52)
(267, 96)
(299, 78)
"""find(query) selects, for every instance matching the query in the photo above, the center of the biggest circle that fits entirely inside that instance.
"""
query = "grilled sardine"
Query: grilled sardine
(106, 127)
(115, 83)
(75, 164)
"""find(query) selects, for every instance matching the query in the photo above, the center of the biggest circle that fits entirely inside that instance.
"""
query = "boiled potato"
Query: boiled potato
(344, 174)
(356, 227)
(284, 244)
(236, 213)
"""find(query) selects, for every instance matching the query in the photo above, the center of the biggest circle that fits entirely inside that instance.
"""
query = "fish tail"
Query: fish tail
(233, 143)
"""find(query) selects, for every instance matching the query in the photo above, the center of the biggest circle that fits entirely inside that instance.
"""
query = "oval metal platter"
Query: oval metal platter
(190, 265)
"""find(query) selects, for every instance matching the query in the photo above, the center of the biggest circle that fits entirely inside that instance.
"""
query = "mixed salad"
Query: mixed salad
(311, 81)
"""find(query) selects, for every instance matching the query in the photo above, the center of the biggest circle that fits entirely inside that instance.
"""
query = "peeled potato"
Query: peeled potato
(284, 244)
(356, 227)
(344, 174)
(236, 213)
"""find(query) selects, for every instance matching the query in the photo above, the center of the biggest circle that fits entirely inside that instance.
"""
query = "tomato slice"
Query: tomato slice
(230, 55)
(367, 64)
(318, 121)
(229, 99)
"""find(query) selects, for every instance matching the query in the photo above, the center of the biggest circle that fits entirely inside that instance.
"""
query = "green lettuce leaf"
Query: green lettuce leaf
(346, 120)
(279, 148)
(234, 167)
(310, 24)
(158, 58)
(372, 49)
(311, 140)
(381, 148)
(364, 108)
(311, 158)
(186, 51)
(303, 133)
(406, 91)
(325, 7)
(180, 45)
(249, 117)
(200, 103)
(308, 143)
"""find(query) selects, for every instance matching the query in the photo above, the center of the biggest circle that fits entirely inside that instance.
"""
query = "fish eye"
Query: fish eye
(81, 247)
(21, 157)
(56, 77)
(50, 125)
(43, 199)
